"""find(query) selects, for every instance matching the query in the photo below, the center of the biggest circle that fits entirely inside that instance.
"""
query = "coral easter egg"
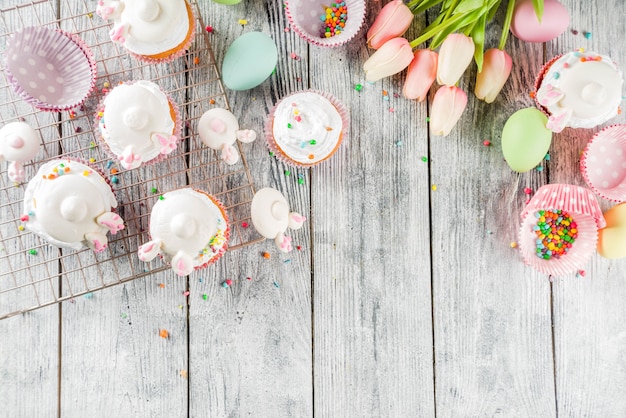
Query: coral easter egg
(612, 239)
(525, 139)
(249, 61)
(527, 27)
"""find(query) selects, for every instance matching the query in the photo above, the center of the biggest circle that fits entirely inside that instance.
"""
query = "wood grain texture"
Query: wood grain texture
(29, 343)
(250, 344)
(371, 252)
(491, 314)
(589, 312)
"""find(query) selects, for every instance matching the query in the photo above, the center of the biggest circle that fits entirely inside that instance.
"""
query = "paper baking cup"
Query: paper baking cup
(50, 69)
(304, 18)
(177, 129)
(582, 205)
(269, 131)
(176, 52)
(539, 80)
(222, 250)
(603, 163)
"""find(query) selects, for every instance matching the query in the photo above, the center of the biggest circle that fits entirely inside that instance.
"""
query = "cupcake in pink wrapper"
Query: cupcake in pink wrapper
(559, 230)
(138, 123)
(50, 69)
(151, 30)
(309, 18)
(580, 89)
(70, 204)
(188, 229)
(306, 128)
(603, 163)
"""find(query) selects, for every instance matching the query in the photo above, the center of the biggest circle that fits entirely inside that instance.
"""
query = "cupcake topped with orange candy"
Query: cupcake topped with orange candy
(151, 30)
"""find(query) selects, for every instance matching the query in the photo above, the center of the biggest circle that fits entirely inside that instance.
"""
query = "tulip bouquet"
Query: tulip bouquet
(459, 33)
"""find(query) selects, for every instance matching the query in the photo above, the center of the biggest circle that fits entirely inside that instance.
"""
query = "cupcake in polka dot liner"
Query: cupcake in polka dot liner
(559, 231)
(326, 24)
(306, 128)
(50, 69)
(603, 163)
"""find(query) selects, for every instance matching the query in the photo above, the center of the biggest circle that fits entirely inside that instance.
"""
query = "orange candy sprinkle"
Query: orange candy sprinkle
(163, 333)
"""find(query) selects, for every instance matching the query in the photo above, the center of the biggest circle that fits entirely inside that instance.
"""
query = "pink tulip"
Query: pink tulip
(496, 69)
(394, 56)
(421, 74)
(448, 105)
(392, 21)
(455, 55)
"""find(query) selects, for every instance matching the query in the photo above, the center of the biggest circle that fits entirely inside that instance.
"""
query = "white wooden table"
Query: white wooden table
(404, 301)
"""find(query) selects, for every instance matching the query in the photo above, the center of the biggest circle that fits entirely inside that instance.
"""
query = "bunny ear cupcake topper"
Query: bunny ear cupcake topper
(271, 217)
(19, 143)
(219, 129)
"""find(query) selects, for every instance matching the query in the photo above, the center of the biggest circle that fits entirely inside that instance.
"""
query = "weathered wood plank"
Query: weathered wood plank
(373, 352)
(250, 344)
(589, 312)
(491, 314)
(110, 339)
(29, 343)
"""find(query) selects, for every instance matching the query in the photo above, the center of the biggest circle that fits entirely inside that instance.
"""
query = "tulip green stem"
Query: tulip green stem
(507, 24)
(426, 36)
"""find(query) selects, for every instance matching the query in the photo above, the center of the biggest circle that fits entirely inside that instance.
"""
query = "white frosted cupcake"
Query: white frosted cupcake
(188, 229)
(306, 128)
(579, 90)
(151, 30)
(139, 123)
(69, 204)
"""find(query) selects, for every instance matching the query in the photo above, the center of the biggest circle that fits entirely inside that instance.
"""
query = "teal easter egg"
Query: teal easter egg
(525, 139)
(249, 61)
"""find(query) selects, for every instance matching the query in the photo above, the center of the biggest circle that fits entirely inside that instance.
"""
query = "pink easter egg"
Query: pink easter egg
(527, 27)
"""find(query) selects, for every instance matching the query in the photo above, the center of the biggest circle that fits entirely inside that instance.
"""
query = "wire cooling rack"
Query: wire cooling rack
(34, 274)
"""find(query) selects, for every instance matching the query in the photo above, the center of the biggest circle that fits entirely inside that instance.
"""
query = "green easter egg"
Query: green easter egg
(525, 139)
(249, 61)
(227, 1)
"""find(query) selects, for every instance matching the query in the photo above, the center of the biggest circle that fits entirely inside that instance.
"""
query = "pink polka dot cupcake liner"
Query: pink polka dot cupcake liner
(581, 204)
(50, 69)
(603, 163)
(305, 19)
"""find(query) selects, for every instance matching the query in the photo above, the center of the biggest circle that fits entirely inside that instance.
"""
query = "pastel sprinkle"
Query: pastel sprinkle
(205, 296)
(224, 285)
(276, 285)
(539, 168)
(547, 157)
(513, 244)
(427, 119)
(89, 295)
(587, 35)
(92, 160)
(434, 187)
(162, 285)
(228, 282)
(243, 21)
(109, 164)
(312, 142)
(20, 228)
(186, 293)
(425, 159)
(161, 197)
(556, 232)
(399, 143)
(209, 28)
(153, 190)
(267, 255)
(32, 252)
(486, 143)
(244, 224)
(300, 181)
(528, 190)
(163, 333)
(358, 87)
(115, 180)
(287, 173)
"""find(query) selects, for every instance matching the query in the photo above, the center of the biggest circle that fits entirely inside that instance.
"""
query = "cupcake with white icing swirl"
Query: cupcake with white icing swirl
(306, 128)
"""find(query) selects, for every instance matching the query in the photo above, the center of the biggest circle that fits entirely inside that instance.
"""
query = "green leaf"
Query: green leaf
(538, 6)
(468, 6)
(420, 6)
(466, 19)
(507, 23)
(493, 9)
(478, 36)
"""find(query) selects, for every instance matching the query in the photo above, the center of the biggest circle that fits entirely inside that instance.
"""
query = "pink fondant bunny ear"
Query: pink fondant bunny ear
(230, 155)
(149, 250)
(246, 135)
(182, 264)
(283, 243)
(112, 221)
(97, 241)
(296, 220)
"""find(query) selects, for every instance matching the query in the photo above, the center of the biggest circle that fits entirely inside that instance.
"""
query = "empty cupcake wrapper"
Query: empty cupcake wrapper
(603, 163)
(582, 205)
(50, 69)
(304, 18)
